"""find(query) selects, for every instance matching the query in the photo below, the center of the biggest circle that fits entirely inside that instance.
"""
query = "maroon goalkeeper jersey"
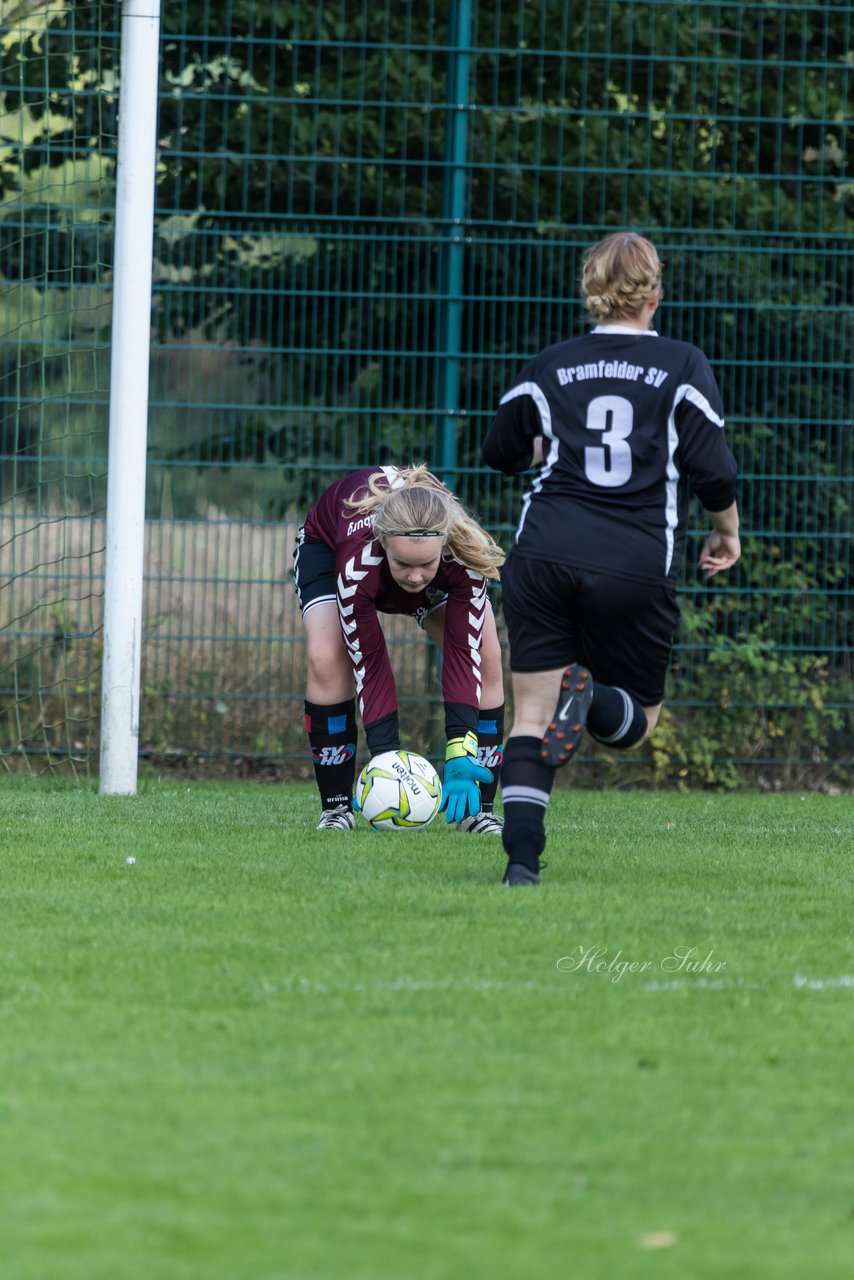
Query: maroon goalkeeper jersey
(366, 588)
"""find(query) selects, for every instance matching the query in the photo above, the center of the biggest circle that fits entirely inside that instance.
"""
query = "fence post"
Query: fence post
(453, 242)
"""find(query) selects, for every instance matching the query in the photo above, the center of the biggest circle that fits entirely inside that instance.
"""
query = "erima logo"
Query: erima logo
(333, 755)
(366, 522)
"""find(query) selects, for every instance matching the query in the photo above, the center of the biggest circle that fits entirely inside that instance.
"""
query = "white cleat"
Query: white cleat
(338, 819)
(482, 824)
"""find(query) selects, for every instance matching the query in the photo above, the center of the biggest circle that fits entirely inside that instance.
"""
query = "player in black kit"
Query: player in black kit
(623, 424)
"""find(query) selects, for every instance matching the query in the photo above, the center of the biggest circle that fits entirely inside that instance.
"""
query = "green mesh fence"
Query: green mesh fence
(369, 217)
(57, 125)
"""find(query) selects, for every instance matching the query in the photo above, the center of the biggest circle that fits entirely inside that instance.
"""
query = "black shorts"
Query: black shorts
(620, 628)
(314, 572)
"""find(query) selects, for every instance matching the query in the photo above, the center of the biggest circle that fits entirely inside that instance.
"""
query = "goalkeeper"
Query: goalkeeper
(394, 540)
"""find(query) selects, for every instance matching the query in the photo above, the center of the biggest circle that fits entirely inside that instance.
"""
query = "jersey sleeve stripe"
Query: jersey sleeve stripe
(536, 393)
(687, 392)
(671, 484)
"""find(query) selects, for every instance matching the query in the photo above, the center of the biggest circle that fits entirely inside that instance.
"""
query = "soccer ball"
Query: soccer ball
(398, 790)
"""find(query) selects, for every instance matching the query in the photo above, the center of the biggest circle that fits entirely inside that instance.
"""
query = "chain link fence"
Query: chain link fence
(367, 219)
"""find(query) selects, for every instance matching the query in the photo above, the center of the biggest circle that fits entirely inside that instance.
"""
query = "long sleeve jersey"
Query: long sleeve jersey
(365, 588)
(632, 424)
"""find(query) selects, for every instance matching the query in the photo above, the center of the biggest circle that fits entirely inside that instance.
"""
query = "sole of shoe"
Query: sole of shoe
(565, 729)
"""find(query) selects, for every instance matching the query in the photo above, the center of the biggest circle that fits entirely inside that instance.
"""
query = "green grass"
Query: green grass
(265, 1053)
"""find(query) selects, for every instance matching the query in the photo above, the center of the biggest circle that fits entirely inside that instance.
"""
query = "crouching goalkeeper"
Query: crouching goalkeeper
(395, 540)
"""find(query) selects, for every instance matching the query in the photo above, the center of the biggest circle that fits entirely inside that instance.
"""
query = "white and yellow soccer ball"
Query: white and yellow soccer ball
(398, 791)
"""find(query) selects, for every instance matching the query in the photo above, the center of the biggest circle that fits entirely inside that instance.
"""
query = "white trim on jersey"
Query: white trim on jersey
(537, 395)
(685, 391)
(700, 402)
(631, 329)
(474, 636)
(393, 477)
(348, 585)
(671, 484)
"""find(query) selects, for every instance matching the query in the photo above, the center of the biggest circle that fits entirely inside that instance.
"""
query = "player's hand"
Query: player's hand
(460, 792)
(720, 551)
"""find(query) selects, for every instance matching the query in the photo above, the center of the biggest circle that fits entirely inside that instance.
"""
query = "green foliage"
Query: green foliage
(785, 714)
(302, 244)
(57, 141)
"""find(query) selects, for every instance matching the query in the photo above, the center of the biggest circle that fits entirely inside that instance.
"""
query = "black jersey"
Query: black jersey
(631, 424)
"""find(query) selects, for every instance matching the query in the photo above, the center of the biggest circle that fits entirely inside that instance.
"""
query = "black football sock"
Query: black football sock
(615, 718)
(526, 784)
(490, 752)
(333, 736)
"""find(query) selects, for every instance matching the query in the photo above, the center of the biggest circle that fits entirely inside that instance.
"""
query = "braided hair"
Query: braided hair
(618, 275)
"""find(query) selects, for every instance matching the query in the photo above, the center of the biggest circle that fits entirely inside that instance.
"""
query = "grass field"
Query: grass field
(259, 1052)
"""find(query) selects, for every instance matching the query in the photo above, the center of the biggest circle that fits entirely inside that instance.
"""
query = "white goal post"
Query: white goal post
(128, 422)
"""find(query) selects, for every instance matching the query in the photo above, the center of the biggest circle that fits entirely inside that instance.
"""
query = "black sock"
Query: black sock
(490, 752)
(615, 718)
(526, 784)
(333, 736)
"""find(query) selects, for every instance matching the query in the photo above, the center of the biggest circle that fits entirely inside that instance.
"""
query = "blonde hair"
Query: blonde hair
(420, 502)
(618, 275)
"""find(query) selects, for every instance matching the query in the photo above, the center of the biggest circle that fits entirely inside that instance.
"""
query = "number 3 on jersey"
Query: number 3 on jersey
(609, 464)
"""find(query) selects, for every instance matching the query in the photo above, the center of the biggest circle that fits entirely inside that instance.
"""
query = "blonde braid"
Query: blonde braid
(619, 274)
